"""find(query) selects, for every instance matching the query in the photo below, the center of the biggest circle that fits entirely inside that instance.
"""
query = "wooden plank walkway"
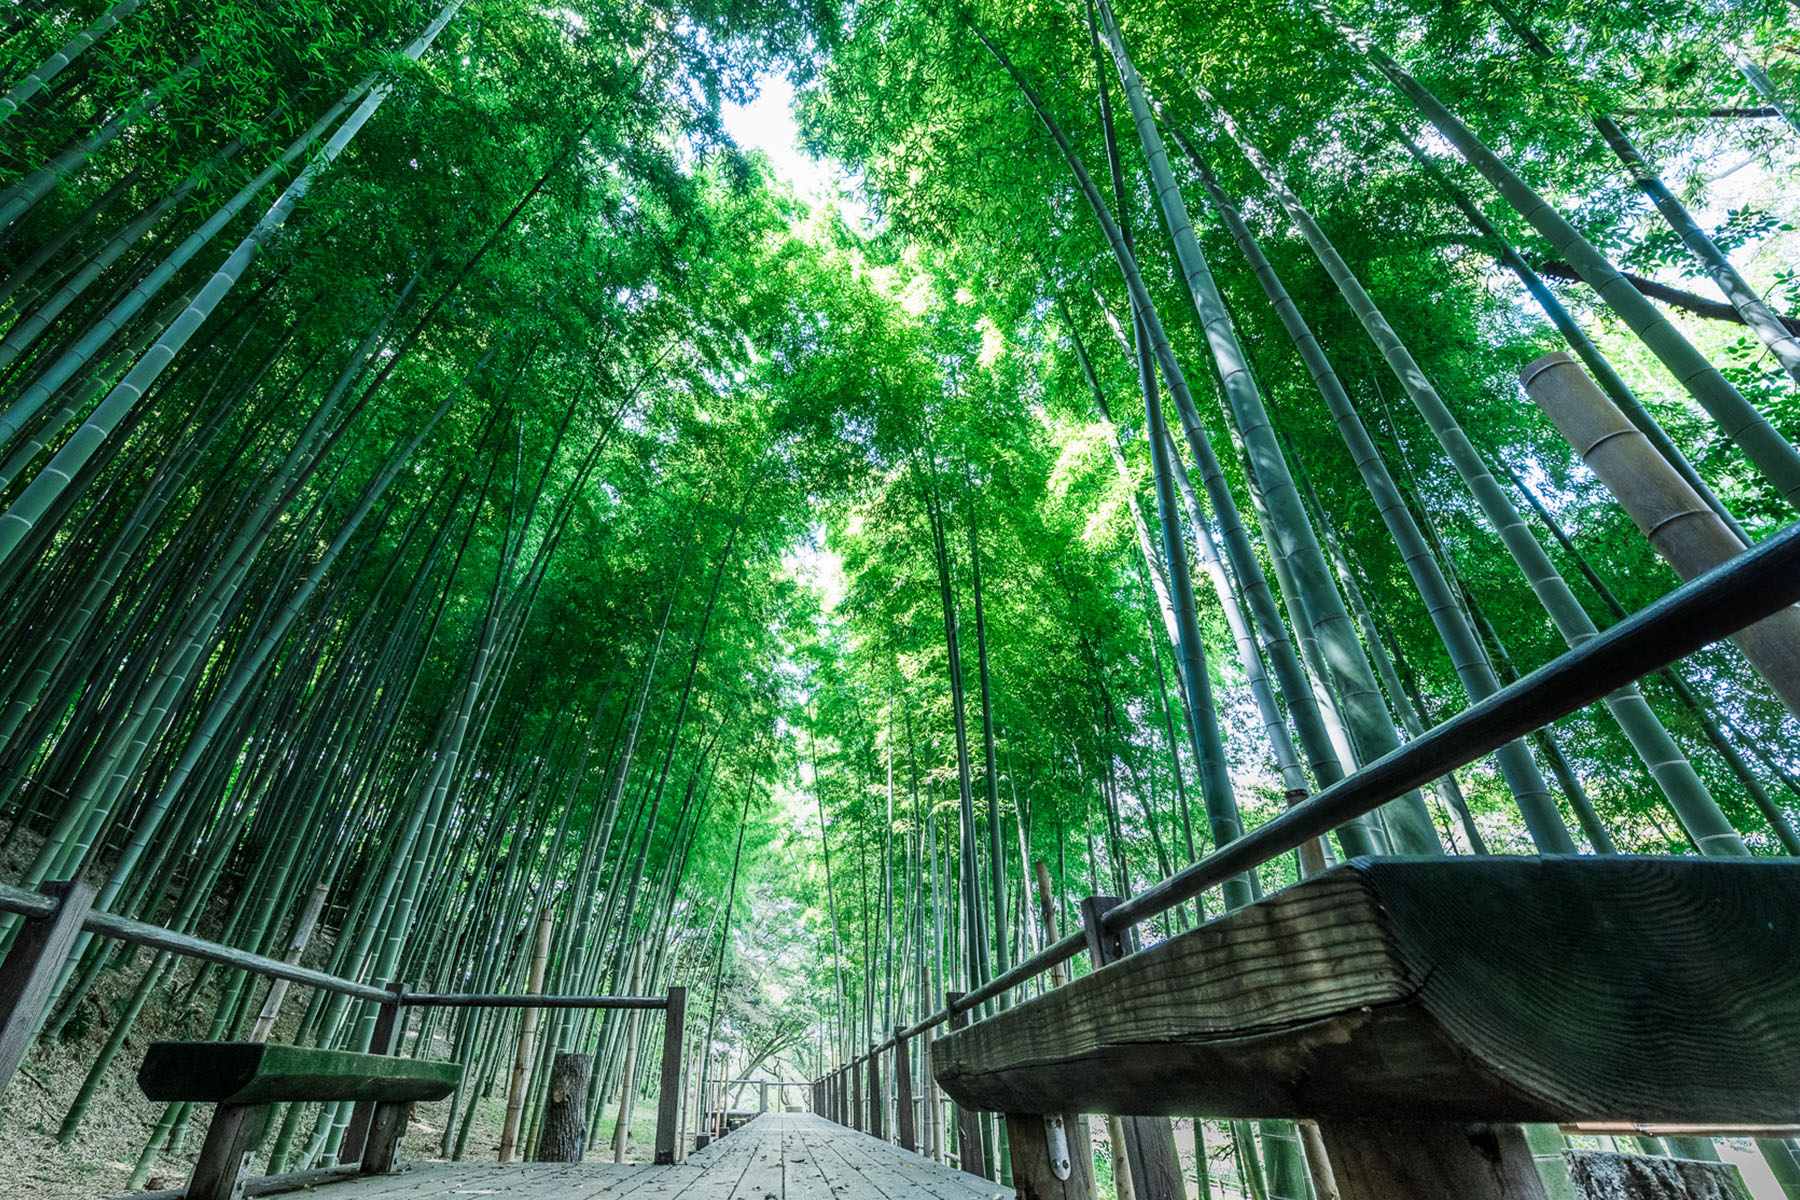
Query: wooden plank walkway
(777, 1156)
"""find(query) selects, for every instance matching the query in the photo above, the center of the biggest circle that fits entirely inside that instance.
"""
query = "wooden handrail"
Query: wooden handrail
(33, 905)
(1709, 608)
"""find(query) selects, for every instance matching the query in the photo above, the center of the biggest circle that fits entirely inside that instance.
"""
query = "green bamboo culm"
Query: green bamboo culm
(1733, 286)
(1460, 641)
(1686, 793)
(1371, 726)
(1772, 454)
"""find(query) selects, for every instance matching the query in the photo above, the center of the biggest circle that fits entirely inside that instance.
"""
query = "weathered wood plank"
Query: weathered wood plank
(905, 1133)
(262, 1073)
(225, 1155)
(668, 1099)
(1051, 1157)
(1383, 1160)
(1150, 1155)
(890, 1172)
(969, 1153)
(783, 1156)
(29, 973)
(1473, 989)
(385, 1038)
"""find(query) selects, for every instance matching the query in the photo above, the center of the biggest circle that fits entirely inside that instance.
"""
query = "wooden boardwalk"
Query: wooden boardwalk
(777, 1156)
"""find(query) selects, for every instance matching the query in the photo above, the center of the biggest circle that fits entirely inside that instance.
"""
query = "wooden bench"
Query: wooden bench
(246, 1079)
(1418, 1009)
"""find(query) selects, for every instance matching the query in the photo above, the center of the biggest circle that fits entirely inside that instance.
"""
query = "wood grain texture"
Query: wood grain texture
(29, 973)
(260, 1073)
(1152, 1159)
(1034, 1177)
(385, 1038)
(225, 1154)
(1431, 1160)
(1603, 1175)
(564, 1135)
(387, 1126)
(905, 1133)
(1469, 989)
(668, 1097)
(776, 1156)
(968, 1121)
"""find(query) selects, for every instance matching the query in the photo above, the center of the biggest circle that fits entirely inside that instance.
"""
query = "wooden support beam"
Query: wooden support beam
(1051, 1157)
(877, 1098)
(29, 973)
(1644, 990)
(668, 1099)
(1426, 1160)
(225, 1155)
(905, 1130)
(390, 1027)
(1150, 1153)
(387, 1125)
(968, 1119)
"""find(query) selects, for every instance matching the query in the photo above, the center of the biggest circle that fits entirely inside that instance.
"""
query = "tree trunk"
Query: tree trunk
(564, 1136)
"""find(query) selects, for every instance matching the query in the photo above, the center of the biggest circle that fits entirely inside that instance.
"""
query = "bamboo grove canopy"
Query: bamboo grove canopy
(451, 488)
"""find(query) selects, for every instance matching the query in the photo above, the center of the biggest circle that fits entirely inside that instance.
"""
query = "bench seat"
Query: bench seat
(1564, 990)
(247, 1079)
(261, 1073)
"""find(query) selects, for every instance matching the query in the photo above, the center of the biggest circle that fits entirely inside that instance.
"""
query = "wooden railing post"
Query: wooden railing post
(1149, 1141)
(856, 1096)
(877, 1097)
(843, 1096)
(904, 1129)
(28, 975)
(668, 1101)
(390, 1024)
(968, 1122)
(1051, 1157)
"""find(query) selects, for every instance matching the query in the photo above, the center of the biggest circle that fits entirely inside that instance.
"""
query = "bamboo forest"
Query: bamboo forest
(1075, 598)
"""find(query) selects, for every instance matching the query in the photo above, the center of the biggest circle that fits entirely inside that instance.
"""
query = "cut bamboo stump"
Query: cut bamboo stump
(1600, 1175)
(564, 1137)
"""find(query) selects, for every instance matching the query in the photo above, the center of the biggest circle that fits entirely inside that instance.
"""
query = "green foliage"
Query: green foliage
(701, 437)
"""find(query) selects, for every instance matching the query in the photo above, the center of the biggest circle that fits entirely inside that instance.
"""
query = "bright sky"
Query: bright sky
(767, 124)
